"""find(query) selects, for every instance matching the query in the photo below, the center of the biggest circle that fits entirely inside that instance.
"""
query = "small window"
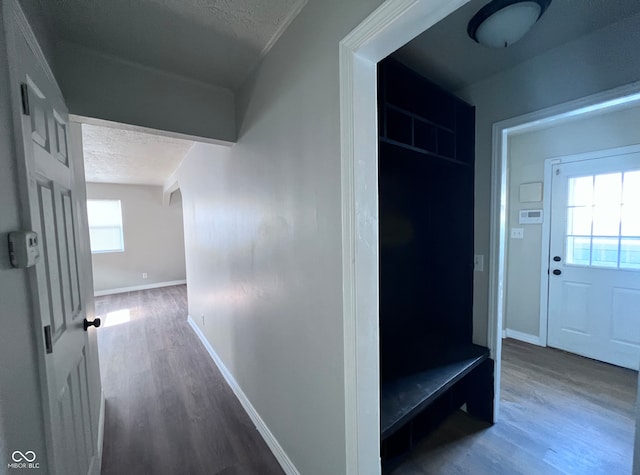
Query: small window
(105, 226)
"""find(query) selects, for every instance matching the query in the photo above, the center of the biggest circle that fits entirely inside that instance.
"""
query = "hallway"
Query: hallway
(168, 408)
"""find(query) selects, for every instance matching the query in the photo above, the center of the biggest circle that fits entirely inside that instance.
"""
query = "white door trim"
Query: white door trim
(546, 225)
(392, 25)
(544, 255)
(613, 99)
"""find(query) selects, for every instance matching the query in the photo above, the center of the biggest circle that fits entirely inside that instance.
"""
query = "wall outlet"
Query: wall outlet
(478, 263)
(517, 233)
(144, 275)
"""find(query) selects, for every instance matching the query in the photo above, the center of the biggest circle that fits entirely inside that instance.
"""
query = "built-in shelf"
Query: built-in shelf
(422, 151)
(418, 117)
(429, 366)
(410, 129)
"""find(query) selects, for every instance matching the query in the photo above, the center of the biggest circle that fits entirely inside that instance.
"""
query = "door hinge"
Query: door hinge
(24, 91)
(47, 339)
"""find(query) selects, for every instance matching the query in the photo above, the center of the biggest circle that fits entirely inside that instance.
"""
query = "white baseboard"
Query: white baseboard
(122, 290)
(279, 453)
(96, 461)
(526, 337)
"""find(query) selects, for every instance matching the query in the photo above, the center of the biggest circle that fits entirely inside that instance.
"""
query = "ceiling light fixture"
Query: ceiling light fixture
(501, 23)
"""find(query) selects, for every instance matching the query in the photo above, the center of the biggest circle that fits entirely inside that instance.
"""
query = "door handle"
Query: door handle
(557, 258)
(557, 272)
(95, 323)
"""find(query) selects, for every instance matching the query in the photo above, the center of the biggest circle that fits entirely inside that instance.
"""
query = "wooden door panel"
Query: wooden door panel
(74, 276)
(63, 253)
(49, 242)
(625, 324)
(85, 405)
(79, 417)
(575, 307)
(39, 114)
(75, 412)
(67, 457)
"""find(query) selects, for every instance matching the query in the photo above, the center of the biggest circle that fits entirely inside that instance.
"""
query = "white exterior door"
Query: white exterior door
(594, 259)
(53, 210)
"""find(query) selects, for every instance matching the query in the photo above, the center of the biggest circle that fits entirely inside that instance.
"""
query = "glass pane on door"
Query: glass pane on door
(630, 254)
(603, 221)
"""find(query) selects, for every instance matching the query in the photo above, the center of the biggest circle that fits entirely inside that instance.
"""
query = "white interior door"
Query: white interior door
(53, 212)
(594, 259)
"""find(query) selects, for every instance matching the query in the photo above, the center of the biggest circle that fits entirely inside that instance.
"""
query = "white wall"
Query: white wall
(21, 417)
(527, 154)
(153, 238)
(263, 240)
(100, 86)
(602, 60)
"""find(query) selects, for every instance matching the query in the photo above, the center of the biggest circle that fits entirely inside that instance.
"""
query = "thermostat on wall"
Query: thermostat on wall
(23, 249)
(530, 216)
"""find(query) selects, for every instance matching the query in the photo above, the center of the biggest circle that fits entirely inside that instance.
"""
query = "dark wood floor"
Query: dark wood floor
(560, 414)
(168, 408)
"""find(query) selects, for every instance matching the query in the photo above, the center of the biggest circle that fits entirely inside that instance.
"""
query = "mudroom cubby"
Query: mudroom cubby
(429, 366)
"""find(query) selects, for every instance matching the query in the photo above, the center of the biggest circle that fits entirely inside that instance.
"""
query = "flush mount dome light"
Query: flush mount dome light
(501, 23)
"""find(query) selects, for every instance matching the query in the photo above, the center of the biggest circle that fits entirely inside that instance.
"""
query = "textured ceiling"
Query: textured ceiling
(220, 41)
(124, 156)
(446, 55)
(213, 41)
(217, 42)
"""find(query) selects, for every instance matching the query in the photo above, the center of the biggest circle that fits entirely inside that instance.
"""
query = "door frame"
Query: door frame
(619, 98)
(546, 223)
(393, 24)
